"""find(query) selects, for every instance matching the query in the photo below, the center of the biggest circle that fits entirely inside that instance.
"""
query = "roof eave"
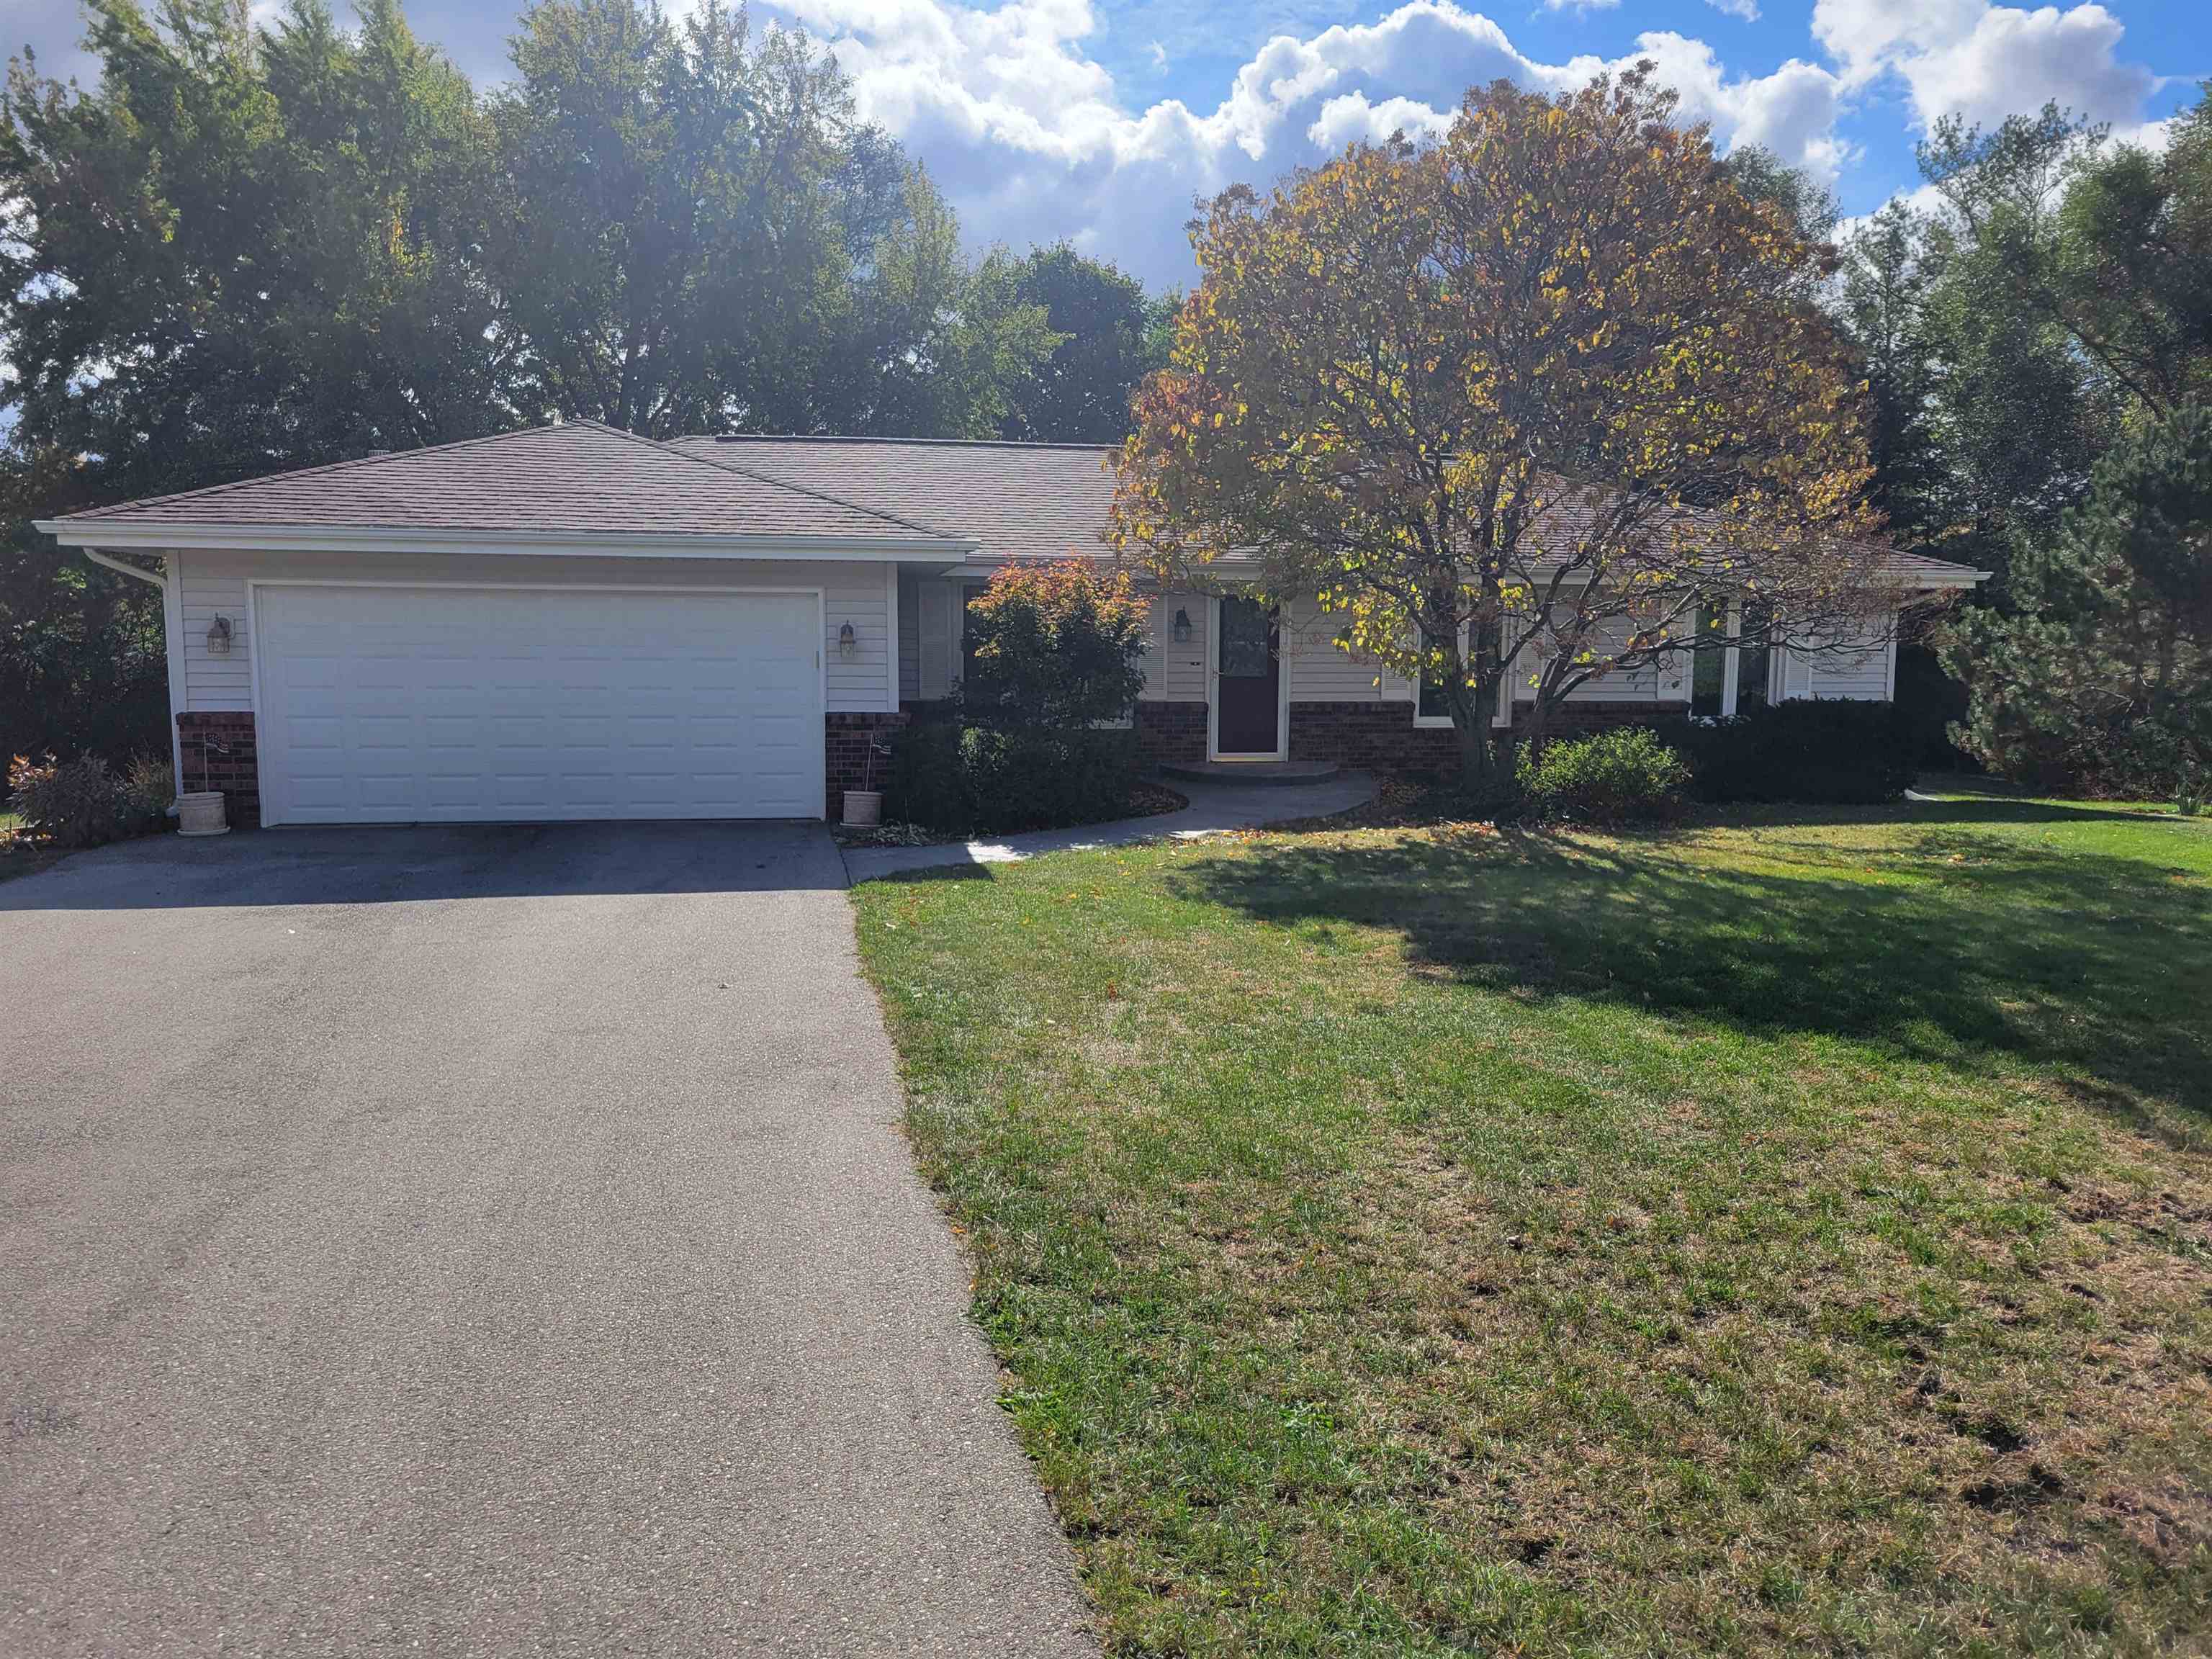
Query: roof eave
(85, 531)
(1958, 579)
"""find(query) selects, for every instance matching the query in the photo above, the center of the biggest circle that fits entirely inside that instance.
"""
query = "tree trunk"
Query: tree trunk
(1484, 778)
(1532, 729)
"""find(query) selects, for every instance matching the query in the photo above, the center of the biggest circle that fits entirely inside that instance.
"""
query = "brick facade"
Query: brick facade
(1378, 736)
(845, 753)
(1382, 736)
(1172, 733)
(219, 753)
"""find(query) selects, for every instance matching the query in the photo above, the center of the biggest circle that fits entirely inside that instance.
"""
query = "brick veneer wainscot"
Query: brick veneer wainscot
(1382, 736)
(845, 740)
(219, 753)
(1172, 733)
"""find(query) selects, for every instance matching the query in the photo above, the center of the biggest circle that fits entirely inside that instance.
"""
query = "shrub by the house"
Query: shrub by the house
(1036, 736)
(1815, 752)
(1625, 776)
(77, 803)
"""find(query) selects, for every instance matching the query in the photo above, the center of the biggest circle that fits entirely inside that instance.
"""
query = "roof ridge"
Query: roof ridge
(670, 447)
(311, 471)
(873, 437)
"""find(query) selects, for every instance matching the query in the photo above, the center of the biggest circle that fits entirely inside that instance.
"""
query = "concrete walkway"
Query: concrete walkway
(486, 1240)
(1213, 808)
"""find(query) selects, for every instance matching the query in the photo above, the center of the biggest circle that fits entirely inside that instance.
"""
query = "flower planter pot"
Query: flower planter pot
(200, 812)
(864, 808)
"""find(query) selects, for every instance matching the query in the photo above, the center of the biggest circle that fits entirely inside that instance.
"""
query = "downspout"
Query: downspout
(173, 639)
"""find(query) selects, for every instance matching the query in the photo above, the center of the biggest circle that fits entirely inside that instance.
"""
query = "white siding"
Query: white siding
(210, 585)
(1639, 685)
(909, 636)
(214, 583)
(1865, 676)
(1321, 670)
(1181, 676)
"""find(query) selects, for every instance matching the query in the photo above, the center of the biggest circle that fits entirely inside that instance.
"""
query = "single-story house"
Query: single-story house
(572, 621)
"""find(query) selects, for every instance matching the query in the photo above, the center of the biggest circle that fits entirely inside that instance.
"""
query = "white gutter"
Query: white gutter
(137, 570)
(88, 532)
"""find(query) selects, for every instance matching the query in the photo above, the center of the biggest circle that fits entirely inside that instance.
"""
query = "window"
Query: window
(1730, 664)
(1754, 655)
(1709, 662)
(1431, 706)
(969, 593)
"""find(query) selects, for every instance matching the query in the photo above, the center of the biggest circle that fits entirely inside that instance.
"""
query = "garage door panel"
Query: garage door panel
(396, 704)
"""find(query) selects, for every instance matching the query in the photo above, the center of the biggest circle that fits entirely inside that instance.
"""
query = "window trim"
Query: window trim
(1500, 716)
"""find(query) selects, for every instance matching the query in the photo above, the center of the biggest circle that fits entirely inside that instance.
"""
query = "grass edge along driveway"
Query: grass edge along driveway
(1788, 1234)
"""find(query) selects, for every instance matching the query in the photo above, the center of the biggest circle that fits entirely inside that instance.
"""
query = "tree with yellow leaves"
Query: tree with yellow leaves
(1524, 405)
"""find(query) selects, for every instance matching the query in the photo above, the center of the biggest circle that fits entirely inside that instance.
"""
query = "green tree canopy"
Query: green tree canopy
(2101, 669)
(244, 249)
(1107, 336)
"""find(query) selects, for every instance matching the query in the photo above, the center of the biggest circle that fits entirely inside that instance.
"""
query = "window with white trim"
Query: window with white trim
(1430, 707)
(1731, 665)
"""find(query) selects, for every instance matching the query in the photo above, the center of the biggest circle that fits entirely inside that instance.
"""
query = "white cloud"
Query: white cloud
(1791, 112)
(1984, 61)
(1159, 55)
(1349, 118)
(1025, 135)
(1746, 9)
(1580, 5)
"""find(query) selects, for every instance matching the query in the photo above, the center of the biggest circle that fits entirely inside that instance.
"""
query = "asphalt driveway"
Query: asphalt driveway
(482, 1241)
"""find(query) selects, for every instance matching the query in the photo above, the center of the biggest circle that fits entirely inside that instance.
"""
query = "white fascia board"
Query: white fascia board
(1965, 579)
(328, 538)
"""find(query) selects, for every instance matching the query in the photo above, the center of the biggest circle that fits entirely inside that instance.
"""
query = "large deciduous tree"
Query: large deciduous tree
(247, 248)
(242, 249)
(1525, 402)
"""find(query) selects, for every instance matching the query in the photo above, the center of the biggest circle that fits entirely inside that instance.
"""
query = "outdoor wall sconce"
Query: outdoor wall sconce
(219, 637)
(1181, 626)
(848, 641)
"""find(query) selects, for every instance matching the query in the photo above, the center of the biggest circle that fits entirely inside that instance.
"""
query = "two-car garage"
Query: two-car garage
(566, 622)
(391, 703)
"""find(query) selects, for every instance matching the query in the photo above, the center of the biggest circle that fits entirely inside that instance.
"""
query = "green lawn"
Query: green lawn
(1784, 1235)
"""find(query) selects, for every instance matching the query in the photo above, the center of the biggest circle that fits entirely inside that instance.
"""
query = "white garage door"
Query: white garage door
(404, 704)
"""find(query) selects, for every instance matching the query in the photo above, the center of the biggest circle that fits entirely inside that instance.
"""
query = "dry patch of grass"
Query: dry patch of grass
(1786, 1237)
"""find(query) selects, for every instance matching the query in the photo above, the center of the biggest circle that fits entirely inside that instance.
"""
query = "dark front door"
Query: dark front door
(1248, 680)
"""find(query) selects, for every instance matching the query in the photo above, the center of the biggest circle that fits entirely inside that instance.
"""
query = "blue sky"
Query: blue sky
(1099, 120)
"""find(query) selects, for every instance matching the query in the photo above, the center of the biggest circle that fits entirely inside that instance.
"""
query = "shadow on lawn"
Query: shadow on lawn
(2098, 965)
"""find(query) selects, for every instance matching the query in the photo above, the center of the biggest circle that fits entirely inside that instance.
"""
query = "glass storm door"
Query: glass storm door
(1248, 681)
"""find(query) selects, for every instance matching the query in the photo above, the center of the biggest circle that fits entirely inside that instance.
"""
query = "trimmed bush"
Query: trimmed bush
(1626, 776)
(1057, 650)
(927, 784)
(955, 779)
(79, 803)
(1816, 752)
(1056, 647)
(1043, 780)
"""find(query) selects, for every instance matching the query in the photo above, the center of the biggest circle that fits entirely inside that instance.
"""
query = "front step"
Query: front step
(1277, 772)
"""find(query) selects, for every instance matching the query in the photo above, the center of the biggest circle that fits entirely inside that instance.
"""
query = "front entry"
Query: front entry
(1247, 682)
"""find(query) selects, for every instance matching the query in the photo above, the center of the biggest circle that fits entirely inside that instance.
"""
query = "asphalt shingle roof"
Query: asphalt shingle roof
(577, 477)
(1013, 500)
(1016, 499)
